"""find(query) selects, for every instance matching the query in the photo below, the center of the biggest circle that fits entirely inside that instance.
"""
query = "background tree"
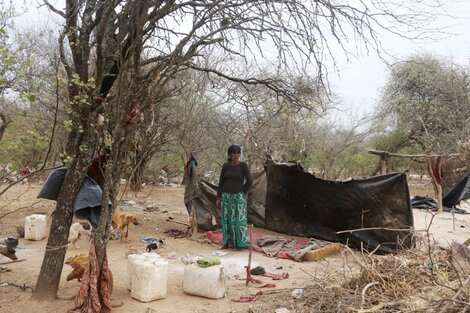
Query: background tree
(426, 101)
(112, 52)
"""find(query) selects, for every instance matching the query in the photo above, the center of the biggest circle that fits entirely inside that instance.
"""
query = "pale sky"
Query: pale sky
(358, 81)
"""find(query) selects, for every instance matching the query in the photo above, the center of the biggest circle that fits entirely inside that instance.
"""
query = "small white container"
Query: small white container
(35, 227)
(131, 258)
(149, 279)
(204, 282)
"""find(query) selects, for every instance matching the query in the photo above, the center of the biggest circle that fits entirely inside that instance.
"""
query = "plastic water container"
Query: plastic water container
(149, 279)
(204, 282)
(35, 227)
(131, 258)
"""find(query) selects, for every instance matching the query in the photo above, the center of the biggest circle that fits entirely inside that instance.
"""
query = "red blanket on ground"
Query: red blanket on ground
(283, 254)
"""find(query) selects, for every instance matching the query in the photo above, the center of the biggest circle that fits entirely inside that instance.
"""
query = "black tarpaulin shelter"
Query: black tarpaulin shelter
(460, 192)
(298, 203)
(87, 203)
(289, 200)
(201, 197)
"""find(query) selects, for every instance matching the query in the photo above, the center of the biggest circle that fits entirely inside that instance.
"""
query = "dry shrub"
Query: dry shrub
(416, 280)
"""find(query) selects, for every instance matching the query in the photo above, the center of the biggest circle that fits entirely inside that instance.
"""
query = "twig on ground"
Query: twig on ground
(373, 228)
(15, 261)
(363, 301)
(459, 291)
(177, 222)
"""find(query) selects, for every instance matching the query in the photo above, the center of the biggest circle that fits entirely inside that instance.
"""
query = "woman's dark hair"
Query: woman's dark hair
(233, 148)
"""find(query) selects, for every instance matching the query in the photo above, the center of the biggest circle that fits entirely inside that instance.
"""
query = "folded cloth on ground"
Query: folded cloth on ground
(208, 261)
(312, 244)
(272, 245)
(290, 244)
(149, 240)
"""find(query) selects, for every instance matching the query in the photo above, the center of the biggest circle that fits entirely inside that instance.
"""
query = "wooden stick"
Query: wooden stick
(15, 261)
(373, 228)
(401, 155)
(446, 305)
(249, 256)
(453, 218)
(173, 221)
(363, 299)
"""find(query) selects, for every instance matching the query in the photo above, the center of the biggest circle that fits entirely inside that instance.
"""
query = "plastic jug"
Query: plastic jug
(204, 282)
(131, 258)
(35, 227)
(149, 279)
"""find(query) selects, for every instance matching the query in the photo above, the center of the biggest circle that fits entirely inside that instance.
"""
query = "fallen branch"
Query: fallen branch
(447, 302)
(379, 307)
(173, 221)
(15, 261)
(363, 300)
(373, 228)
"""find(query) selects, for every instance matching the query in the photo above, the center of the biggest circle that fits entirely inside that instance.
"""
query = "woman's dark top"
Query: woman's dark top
(234, 178)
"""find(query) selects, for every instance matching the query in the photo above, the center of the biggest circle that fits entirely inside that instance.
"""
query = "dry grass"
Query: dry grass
(416, 280)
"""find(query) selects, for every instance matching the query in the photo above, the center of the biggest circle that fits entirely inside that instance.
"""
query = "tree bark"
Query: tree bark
(138, 173)
(51, 269)
(435, 171)
(3, 125)
(383, 165)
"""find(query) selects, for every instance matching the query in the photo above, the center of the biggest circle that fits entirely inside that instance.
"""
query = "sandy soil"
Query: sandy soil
(21, 202)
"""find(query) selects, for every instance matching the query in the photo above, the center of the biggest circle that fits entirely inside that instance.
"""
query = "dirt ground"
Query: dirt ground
(21, 201)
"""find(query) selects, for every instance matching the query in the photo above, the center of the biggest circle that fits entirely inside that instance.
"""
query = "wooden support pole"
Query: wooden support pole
(383, 164)
(248, 268)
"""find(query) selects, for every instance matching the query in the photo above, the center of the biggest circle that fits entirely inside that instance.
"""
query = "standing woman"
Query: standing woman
(235, 180)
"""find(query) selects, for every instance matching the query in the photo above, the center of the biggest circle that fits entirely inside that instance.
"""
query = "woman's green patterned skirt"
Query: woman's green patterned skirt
(234, 217)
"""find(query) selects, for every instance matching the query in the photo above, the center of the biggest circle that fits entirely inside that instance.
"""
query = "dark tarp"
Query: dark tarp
(427, 203)
(461, 191)
(87, 204)
(420, 202)
(286, 199)
(201, 197)
(297, 203)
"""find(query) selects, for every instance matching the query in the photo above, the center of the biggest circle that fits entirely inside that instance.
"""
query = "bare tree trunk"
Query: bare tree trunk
(436, 181)
(138, 173)
(3, 126)
(383, 165)
(51, 269)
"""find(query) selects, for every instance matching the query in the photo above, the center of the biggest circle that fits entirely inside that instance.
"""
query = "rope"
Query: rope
(49, 248)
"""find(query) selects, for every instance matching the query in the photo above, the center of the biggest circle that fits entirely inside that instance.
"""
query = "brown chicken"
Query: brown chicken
(79, 264)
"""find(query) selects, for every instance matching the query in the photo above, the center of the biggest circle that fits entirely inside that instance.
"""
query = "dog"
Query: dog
(121, 222)
(76, 230)
(155, 245)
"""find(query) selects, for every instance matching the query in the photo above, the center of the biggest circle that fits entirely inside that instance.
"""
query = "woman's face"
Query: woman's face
(235, 156)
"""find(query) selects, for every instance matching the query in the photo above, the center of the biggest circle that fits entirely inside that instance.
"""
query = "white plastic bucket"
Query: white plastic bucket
(35, 227)
(204, 282)
(149, 279)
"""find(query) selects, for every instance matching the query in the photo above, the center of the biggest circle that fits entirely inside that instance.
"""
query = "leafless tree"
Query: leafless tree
(112, 50)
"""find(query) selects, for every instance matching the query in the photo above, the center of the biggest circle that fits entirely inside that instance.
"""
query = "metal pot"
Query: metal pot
(11, 243)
